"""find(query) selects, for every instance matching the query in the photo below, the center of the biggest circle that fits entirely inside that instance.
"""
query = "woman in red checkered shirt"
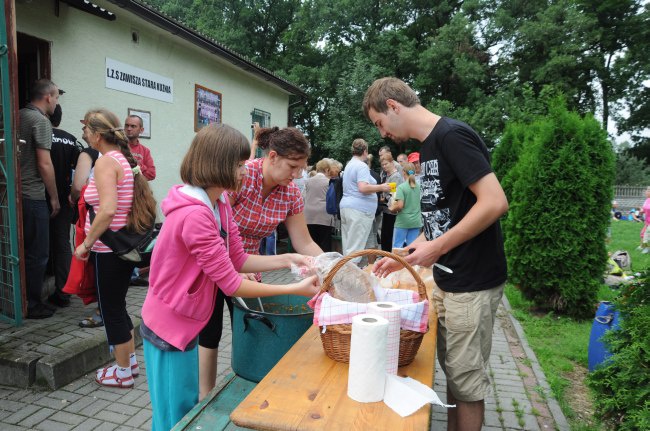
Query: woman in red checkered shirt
(267, 198)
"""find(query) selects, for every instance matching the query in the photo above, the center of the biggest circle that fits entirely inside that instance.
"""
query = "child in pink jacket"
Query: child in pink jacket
(198, 252)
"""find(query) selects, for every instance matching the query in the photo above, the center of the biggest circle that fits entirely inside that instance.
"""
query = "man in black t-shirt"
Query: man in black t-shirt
(461, 201)
(64, 153)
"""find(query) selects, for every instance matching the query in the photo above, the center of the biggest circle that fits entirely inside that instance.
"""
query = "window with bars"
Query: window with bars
(10, 286)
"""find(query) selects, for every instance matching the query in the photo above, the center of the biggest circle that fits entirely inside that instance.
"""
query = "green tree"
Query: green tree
(453, 66)
(480, 61)
(634, 70)
(544, 43)
(642, 149)
(516, 135)
(559, 213)
(255, 28)
(631, 171)
(506, 155)
(455, 78)
(346, 118)
(610, 31)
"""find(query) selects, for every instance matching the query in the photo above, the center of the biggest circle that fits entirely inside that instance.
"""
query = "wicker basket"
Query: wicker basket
(336, 338)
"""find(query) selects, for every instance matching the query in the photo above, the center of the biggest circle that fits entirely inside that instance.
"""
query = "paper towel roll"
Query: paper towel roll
(391, 312)
(367, 372)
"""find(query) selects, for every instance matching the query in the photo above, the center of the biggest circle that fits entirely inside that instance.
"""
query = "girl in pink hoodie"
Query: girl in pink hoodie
(199, 252)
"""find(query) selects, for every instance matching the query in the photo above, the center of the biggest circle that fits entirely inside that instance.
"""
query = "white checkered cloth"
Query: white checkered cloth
(332, 311)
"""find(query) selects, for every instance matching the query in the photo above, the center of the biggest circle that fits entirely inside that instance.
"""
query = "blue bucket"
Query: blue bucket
(606, 319)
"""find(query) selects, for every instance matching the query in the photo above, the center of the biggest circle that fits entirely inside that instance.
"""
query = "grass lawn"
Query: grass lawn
(625, 236)
(561, 344)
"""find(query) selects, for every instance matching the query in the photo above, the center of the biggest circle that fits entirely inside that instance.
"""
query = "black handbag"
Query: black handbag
(128, 245)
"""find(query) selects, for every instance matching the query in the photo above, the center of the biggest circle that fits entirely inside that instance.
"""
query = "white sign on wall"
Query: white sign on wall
(131, 79)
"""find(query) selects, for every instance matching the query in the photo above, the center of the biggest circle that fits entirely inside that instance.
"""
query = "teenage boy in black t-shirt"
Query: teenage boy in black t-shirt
(461, 203)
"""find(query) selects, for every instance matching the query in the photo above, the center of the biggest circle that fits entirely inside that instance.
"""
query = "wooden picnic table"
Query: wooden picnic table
(306, 390)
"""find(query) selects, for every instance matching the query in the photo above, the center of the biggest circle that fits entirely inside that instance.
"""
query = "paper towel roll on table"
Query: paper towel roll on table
(367, 372)
(367, 379)
(391, 312)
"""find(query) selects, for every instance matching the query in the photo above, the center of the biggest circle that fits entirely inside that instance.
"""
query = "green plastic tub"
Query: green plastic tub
(261, 338)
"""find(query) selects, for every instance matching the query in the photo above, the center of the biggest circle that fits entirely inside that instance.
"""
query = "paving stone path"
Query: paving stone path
(520, 398)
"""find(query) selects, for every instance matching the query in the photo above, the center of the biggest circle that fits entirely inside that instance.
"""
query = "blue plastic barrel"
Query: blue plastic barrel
(606, 319)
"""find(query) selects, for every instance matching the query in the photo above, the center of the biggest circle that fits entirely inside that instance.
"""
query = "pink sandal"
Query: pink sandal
(112, 380)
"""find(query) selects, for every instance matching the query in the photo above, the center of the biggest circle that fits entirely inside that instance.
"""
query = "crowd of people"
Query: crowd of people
(639, 215)
(634, 214)
(55, 169)
(373, 195)
(443, 203)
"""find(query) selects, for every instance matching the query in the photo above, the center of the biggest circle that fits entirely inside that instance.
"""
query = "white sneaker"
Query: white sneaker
(645, 250)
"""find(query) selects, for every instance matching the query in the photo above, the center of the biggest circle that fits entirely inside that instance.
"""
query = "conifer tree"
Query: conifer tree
(559, 212)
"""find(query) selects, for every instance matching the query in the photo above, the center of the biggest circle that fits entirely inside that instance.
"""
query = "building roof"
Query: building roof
(150, 14)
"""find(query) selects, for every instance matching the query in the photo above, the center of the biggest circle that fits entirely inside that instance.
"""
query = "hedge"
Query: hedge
(560, 192)
(622, 384)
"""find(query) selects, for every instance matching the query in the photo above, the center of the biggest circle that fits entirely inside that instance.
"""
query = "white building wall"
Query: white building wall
(80, 43)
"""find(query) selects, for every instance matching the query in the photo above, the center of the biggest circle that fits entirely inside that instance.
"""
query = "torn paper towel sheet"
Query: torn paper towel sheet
(406, 396)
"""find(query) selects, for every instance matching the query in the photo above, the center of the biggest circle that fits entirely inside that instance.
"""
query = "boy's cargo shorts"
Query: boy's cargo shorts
(464, 339)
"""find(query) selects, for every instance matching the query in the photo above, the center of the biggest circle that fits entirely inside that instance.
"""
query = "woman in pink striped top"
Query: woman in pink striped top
(120, 196)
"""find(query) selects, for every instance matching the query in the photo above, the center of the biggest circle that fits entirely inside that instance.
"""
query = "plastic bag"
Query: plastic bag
(613, 268)
(303, 271)
(350, 283)
(623, 259)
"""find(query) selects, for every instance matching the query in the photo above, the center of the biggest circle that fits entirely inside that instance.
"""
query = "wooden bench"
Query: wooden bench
(213, 412)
